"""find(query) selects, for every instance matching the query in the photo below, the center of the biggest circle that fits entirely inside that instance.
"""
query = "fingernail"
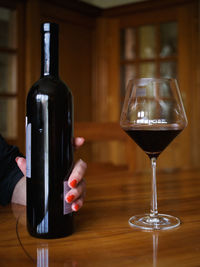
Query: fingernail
(70, 198)
(73, 183)
(80, 138)
(76, 207)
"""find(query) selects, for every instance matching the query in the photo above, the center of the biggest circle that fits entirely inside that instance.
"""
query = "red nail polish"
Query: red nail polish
(73, 183)
(70, 198)
(76, 207)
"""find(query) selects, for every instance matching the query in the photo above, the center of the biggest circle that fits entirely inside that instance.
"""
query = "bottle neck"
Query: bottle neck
(49, 53)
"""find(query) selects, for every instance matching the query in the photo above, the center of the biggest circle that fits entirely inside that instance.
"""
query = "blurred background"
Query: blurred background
(103, 43)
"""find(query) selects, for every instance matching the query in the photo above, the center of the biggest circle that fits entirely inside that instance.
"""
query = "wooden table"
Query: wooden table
(103, 236)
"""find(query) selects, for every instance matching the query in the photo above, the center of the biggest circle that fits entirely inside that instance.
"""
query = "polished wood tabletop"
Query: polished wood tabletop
(103, 236)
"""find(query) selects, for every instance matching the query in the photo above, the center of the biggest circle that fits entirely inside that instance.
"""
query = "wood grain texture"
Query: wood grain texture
(103, 134)
(100, 131)
(103, 236)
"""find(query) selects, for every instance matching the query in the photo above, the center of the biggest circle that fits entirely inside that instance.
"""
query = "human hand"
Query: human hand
(77, 184)
(76, 181)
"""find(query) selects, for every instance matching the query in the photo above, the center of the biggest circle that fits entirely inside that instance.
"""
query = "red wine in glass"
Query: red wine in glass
(153, 142)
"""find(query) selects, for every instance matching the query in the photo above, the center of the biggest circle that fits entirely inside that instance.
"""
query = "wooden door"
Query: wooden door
(157, 40)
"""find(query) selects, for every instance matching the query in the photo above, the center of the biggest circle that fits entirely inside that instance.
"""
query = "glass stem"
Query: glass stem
(154, 208)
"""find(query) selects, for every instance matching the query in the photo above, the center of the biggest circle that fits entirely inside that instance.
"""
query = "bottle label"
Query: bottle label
(28, 149)
(66, 206)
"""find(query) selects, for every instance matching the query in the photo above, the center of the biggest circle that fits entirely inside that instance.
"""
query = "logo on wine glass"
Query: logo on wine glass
(155, 121)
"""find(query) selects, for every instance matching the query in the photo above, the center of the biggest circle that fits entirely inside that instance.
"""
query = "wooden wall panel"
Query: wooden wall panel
(32, 36)
(106, 86)
(75, 54)
(76, 66)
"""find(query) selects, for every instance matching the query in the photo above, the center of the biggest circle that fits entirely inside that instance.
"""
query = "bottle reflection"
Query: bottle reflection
(155, 248)
(44, 251)
(43, 256)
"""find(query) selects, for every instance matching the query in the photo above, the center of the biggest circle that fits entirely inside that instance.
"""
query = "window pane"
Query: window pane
(8, 122)
(168, 70)
(168, 39)
(147, 70)
(8, 73)
(7, 28)
(127, 72)
(147, 42)
(128, 43)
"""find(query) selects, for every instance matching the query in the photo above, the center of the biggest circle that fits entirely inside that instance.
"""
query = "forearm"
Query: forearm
(19, 193)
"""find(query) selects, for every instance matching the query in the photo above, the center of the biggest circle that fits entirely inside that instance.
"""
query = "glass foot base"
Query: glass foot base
(159, 222)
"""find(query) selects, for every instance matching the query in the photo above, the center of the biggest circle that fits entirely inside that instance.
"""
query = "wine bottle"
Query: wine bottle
(49, 145)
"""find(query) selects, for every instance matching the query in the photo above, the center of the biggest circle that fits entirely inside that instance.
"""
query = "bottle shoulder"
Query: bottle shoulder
(49, 85)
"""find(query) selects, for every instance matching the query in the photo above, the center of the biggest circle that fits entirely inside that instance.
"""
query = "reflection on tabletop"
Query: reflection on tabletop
(103, 236)
(43, 248)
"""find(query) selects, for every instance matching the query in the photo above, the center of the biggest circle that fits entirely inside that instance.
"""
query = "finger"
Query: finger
(21, 162)
(76, 193)
(77, 174)
(76, 205)
(78, 141)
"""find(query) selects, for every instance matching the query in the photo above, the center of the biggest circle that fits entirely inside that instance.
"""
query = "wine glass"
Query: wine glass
(153, 115)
